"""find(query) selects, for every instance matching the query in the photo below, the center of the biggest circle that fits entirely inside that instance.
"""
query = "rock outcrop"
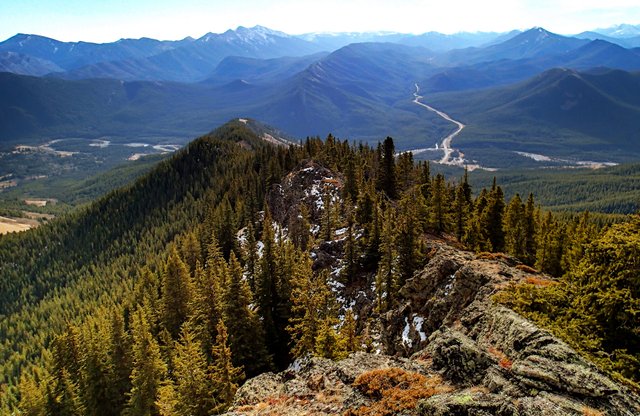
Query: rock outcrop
(480, 357)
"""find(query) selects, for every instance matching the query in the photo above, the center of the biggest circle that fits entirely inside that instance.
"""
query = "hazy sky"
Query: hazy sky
(109, 20)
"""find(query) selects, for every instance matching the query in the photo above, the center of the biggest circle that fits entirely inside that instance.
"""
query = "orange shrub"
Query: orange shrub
(526, 269)
(395, 391)
(589, 411)
(538, 281)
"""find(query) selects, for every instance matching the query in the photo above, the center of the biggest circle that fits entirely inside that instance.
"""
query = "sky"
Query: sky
(109, 20)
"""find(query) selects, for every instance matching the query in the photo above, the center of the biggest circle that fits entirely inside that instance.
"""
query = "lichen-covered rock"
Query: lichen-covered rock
(458, 357)
(467, 403)
(315, 386)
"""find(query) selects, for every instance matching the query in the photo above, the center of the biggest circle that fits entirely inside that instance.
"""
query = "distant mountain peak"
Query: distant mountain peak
(623, 30)
(256, 34)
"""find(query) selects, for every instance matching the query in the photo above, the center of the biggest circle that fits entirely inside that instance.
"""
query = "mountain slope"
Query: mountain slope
(559, 112)
(195, 60)
(533, 43)
(71, 55)
(261, 71)
(18, 63)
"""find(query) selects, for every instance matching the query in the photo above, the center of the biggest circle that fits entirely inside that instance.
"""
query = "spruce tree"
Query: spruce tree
(176, 294)
(530, 229)
(307, 298)
(120, 347)
(205, 306)
(439, 204)
(349, 332)
(269, 296)
(494, 215)
(351, 255)
(194, 389)
(148, 369)
(387, 169)
(246, 337)
(226, 377)
(515, 228)
(386, 278)
(190, 251)
(408, 238)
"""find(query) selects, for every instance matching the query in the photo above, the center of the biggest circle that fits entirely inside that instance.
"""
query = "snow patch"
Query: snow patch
(405, 334)
(417, 324)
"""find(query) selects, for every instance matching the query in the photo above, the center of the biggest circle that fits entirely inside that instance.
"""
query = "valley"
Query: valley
(445, 146)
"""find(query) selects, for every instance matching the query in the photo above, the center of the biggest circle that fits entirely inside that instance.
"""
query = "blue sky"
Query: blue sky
(109, 20)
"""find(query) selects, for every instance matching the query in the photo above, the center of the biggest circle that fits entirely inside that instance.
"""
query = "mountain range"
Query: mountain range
(505, 87)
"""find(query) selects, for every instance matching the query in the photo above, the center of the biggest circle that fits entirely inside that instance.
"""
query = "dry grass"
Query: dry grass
(590, 411)
(395, 391)
(14, 225)
(479, 389)
(540, 282)
(527, 269)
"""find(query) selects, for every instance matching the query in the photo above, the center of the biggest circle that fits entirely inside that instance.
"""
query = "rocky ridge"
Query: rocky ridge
(478, 357)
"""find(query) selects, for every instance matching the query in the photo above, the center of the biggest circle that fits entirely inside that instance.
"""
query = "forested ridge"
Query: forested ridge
(163, 296)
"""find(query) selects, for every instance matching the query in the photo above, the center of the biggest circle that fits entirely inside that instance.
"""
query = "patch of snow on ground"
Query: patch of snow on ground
(405, 334)
(417, 324)
(535, 156)
(342, 231)
(449, 285)
(243, 120)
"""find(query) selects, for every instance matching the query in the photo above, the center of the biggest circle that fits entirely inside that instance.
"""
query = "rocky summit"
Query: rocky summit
(449, 348)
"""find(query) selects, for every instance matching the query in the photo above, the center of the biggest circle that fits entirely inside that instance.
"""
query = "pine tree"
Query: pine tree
(425, 180)
(225, 228)
(386, 278)
(205, 305)
(551, 242)
(494, 214)
(408, 238)
(530, 229)
(194, 389)
(65, 399)
(439, 204)
(224, 374)
(308, 299)
(349, 332)
(299, 228)
(328, 342)
(246, 337)
(327, 216)
(273, 291)
(148, 369)
(387, 169)
(167, 400)
(405, 174)
(515, 228)
(476, 234)
(350, 189)
(190, 251)
(351, 255)
(120, 347)
(98, 370)
(251, 260)
(33, 395)
(176, 294)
